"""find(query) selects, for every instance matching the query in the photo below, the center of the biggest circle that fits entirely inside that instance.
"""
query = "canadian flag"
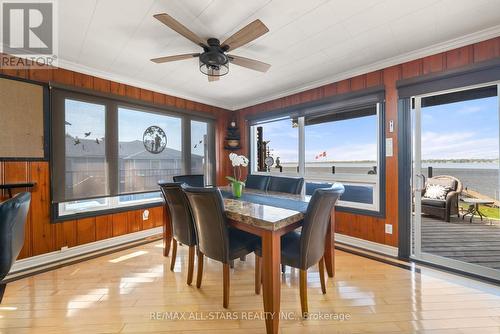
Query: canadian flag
(321, 155)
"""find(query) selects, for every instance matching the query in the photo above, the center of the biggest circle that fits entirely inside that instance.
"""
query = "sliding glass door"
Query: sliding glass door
(456, 145)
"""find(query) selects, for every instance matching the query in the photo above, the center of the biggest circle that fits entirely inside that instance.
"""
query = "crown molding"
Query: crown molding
(69, 65)
(469, 39)
(406, 57)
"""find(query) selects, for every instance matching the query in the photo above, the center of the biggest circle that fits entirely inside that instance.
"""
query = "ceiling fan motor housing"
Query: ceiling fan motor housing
(214, 61)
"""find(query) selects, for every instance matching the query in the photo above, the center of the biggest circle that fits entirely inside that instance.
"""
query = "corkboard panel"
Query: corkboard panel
(21, 115)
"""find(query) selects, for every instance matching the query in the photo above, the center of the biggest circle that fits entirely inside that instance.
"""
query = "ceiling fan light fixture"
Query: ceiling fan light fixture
(214, 70)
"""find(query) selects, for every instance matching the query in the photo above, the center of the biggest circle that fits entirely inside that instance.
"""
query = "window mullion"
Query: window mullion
(186, 144)
(111, 140)
(302, 147)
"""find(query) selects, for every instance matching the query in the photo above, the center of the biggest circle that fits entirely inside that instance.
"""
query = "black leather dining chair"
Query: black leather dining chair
(13, 214)
(216, 239)
(291, 185)
(183, 230)
(195, 180)
(259, 182)
(303, 249)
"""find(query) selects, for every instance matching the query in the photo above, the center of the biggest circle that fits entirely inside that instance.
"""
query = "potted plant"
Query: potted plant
(237, 185)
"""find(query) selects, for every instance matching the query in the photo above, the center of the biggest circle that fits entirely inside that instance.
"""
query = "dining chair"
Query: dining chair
(305, 248)
(216, 239)
(259, 182)
(291, 185)
(13, 214)
(183, 230)
(195, 180)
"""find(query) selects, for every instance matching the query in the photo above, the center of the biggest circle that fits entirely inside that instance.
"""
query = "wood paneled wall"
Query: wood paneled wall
(42, 236)
(365, 227)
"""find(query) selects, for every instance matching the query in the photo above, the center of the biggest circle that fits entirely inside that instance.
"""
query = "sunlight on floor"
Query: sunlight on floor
(8, 308)
(128, 256)
(79, 302)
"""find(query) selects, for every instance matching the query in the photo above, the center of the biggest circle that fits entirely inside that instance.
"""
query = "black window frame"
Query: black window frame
(58, 96)
(338, 104)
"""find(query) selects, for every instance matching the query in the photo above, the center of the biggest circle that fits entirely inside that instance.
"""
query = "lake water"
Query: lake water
(480, 177)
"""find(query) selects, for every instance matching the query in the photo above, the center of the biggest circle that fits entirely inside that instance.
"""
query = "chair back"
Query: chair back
(210, 220)
(195, 180)
(181, 219)
(291, 185)
(316, 220)
(447, 181)
(13, 214)
(260, 182)
(312, 186)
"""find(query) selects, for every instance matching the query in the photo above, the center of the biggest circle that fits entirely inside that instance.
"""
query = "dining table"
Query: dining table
(270, 215)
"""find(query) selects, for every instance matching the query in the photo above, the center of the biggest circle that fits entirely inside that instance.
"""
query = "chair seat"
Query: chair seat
(439, 203)
(241, 243)
(290, 249)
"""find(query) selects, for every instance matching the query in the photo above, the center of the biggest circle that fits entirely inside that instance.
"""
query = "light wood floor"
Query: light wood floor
(117, 294)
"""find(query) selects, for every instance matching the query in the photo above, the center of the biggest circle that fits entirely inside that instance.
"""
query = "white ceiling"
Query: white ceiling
(310, 42)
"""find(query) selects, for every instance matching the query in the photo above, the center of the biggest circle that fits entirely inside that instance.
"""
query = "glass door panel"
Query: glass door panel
(456, 216)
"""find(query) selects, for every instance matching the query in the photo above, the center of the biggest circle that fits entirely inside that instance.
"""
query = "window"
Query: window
(199, 147)
(85, 149)
(343, 147)
(331, 146)
(109, 153)
(150, 149)
(279, 140)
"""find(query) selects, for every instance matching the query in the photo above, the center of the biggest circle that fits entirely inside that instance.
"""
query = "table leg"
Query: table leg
(329, 254)
(271, 279)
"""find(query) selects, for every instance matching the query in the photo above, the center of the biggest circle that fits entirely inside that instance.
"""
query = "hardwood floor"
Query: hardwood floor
(118, 293)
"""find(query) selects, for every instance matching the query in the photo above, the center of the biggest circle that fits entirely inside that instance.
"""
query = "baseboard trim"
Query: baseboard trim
(365, 244)
(55, 259)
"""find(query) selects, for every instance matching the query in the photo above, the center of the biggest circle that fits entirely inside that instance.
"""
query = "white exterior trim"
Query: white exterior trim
(82, 251)
(367, 245)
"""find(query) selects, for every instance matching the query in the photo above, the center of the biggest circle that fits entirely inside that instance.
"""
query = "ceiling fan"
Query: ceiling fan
(214, 60)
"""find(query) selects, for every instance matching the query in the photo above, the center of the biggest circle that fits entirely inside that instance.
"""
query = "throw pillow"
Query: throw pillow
(436, 191)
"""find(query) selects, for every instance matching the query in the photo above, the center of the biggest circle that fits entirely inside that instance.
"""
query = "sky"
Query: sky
(132, 124)
(462, 130)
(87, 117)
(347, 140)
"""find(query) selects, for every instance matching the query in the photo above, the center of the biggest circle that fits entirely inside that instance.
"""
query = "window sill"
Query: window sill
(56, 218)
(363, 212)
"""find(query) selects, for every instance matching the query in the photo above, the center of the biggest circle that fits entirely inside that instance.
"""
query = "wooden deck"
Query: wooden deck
(477, 243)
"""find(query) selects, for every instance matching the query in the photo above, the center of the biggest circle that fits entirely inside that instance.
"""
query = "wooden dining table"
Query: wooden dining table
(269, 215)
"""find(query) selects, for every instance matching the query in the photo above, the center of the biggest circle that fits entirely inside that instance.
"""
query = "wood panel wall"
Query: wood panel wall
(42, 236)
(365, 227)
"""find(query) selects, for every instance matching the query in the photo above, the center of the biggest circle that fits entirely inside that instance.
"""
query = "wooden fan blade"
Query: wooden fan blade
(175, 25)
(249, 63)
(245, 35)
(174, 58)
